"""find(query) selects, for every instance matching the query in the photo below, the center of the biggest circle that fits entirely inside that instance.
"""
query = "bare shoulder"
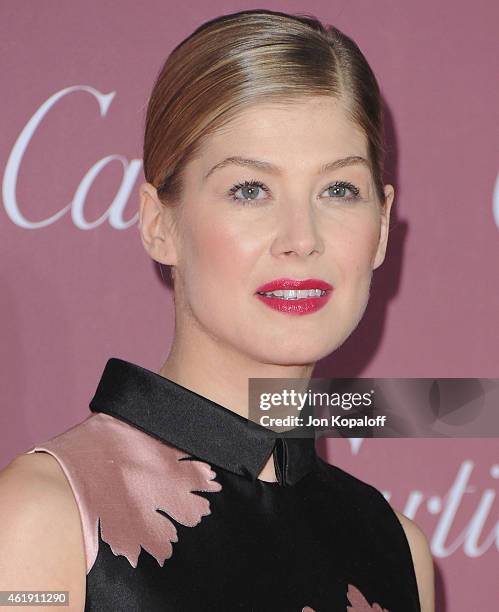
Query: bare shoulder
(423, 561)
(41, 540)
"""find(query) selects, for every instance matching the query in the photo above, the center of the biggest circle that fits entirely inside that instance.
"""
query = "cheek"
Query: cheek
(217, 257)
(355, 250)
(354, 253)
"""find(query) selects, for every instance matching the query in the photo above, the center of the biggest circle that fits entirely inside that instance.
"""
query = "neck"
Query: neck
(219, 372)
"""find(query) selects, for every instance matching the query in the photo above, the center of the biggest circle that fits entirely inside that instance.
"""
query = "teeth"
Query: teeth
(294, 294)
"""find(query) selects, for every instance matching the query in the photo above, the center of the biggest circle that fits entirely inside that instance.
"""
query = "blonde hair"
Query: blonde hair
(239, 59)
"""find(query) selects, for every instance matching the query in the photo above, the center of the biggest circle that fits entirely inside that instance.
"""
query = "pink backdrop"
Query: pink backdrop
(77, 286)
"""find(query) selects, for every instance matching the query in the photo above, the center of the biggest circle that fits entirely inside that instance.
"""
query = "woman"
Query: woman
(263, 158)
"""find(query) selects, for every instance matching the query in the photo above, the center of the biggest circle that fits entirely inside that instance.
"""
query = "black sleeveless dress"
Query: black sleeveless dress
(175, 519)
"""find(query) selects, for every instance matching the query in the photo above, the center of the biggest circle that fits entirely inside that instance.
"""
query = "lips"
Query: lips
(298, 306)
(289, 283)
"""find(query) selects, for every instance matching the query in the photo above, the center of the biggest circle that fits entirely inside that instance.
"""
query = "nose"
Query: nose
(297, 231)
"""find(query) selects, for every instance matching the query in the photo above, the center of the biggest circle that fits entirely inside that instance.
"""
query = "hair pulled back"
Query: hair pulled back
(240, 59)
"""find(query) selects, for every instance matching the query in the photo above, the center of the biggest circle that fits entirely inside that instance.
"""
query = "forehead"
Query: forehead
(310, 129)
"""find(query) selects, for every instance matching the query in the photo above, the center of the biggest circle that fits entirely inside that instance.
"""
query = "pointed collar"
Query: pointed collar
(195, 424)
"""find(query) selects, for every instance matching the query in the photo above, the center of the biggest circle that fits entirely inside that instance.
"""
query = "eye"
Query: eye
(249, 190)
(338, 189)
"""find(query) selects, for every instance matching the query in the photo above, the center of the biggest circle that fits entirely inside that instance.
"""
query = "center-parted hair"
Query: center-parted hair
(237, 60)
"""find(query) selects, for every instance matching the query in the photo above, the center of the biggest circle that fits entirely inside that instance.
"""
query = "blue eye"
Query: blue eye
(249, 190)
(339, 189)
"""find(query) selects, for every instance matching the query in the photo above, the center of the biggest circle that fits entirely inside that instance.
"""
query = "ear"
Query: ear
(156, 226)
(385, 224)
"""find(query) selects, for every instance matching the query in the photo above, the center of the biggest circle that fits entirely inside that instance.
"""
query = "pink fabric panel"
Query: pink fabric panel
(121, 476)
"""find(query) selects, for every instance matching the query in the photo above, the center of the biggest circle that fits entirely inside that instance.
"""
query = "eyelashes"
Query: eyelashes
(248, 185)
(255, 185)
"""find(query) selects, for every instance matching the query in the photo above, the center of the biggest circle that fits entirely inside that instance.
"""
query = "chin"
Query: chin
(289, 356)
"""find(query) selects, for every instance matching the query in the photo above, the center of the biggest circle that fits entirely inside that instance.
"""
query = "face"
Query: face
(244, 225)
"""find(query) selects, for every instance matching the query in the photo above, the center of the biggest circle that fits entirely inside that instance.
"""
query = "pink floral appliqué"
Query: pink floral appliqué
(121, 476)
(358, 602)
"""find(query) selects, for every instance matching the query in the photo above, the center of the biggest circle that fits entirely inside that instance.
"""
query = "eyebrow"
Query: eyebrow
(237, 160)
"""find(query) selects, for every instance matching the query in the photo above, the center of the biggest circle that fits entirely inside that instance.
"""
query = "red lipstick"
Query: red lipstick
(289, 301)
